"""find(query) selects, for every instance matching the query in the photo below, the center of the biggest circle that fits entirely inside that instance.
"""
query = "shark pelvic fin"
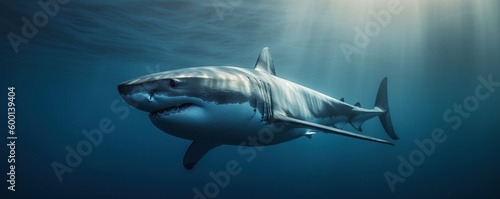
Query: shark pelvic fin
(328, 129)
(196, 151)
(309, 134)
(265, 62)
(357, 125)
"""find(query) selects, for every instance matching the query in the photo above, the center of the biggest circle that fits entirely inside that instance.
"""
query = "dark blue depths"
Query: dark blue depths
(433, 53)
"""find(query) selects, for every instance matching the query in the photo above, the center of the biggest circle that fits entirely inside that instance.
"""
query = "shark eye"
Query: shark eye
(172, 83)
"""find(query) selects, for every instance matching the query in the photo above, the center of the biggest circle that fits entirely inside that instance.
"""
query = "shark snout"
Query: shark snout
(126, 89)
(122, 89)
(137, 97)
(150, 98)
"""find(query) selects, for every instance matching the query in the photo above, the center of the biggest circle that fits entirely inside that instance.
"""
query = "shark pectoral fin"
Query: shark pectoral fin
(328, 129)
(196, 151)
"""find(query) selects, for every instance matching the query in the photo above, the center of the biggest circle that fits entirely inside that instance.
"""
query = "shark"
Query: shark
(227, 105)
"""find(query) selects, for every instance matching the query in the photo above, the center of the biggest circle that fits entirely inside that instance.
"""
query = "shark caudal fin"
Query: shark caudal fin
(382, 103)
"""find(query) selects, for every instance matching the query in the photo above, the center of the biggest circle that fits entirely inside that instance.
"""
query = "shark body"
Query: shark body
(227, 105)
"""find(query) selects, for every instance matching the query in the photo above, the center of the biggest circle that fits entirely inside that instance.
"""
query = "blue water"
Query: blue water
(432, 52)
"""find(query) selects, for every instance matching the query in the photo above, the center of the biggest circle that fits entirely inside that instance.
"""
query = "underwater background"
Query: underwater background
(435, 54)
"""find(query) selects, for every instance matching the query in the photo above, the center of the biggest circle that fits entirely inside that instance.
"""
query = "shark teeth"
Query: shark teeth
(170, 110)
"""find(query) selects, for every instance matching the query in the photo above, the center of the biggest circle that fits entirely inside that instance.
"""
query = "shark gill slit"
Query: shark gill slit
(263, 98)
(266, 101)
(269, 102)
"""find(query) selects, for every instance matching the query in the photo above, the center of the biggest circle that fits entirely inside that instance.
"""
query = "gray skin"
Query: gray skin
(231, 105)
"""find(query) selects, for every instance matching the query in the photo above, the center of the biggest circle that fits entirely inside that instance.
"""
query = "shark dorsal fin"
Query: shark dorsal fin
(358, 104)
(265, 62)
(342, 99)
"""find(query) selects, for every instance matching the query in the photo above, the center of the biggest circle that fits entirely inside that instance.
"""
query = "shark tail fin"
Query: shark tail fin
(383, 104)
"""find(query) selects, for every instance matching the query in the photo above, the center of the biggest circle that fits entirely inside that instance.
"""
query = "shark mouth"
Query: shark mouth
(171, 110)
